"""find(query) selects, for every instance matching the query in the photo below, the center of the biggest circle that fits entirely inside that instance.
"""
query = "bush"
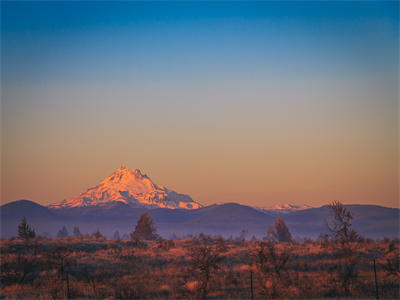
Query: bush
(280, 232)
(145, 229)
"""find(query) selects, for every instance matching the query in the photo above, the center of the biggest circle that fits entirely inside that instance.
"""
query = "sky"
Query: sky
(258, 103)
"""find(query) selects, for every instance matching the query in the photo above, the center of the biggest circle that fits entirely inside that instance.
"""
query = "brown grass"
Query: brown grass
(106, 269)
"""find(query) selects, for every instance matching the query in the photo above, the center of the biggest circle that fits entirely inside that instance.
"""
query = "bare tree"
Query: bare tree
(340, 226)
(205, 261)
(64, 263)
(271, 267)
(343, 236)
(392, 261)
(24, 265)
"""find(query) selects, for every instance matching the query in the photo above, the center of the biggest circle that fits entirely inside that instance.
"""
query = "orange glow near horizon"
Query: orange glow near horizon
(257, 103)
(251, 162)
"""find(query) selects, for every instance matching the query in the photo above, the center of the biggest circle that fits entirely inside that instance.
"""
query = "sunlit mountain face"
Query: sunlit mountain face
(283, 208)
(130, 187)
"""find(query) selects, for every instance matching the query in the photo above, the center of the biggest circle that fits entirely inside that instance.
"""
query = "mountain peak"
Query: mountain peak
(283, 208)
(126, 173)
(132, 187)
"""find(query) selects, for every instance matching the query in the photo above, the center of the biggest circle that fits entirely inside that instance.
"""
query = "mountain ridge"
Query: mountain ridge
(282, 208)
(228, 219)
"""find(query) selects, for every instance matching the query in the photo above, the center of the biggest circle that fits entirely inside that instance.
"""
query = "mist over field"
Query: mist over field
(228, 220)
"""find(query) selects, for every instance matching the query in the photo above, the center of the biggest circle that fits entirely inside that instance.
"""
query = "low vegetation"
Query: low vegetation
(341, 264)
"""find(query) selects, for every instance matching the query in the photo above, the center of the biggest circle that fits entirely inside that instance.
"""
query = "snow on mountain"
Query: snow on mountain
(283, 208)
(130, 187)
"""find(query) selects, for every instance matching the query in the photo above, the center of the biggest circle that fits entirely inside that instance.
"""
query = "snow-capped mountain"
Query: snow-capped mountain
(130, 187)
(283, 208)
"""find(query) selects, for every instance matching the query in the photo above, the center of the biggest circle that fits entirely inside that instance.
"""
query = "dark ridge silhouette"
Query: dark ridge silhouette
(369, 220)
(226, 219)
(30, 209)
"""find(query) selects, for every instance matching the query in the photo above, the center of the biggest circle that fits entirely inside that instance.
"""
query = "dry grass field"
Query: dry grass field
(194, 268)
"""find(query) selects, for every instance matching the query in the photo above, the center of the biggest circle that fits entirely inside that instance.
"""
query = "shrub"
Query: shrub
(280, 232)
(145, 229)
(62, 233)
(77, 232)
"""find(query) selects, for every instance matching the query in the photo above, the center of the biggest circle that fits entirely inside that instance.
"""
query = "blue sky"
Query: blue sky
(194, 87)
(110, 41)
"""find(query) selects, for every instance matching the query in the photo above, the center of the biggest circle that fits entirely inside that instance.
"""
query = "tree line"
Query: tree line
(339, 228)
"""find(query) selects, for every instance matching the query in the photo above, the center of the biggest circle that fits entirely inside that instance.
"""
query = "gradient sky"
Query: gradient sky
(257, 103)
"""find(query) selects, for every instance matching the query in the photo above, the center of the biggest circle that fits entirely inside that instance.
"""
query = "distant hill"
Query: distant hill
(227, 219)
(369, 220)
(40, 217)
(19, 209)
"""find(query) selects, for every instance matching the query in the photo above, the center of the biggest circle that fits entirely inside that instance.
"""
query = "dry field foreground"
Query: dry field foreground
(193, 268)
